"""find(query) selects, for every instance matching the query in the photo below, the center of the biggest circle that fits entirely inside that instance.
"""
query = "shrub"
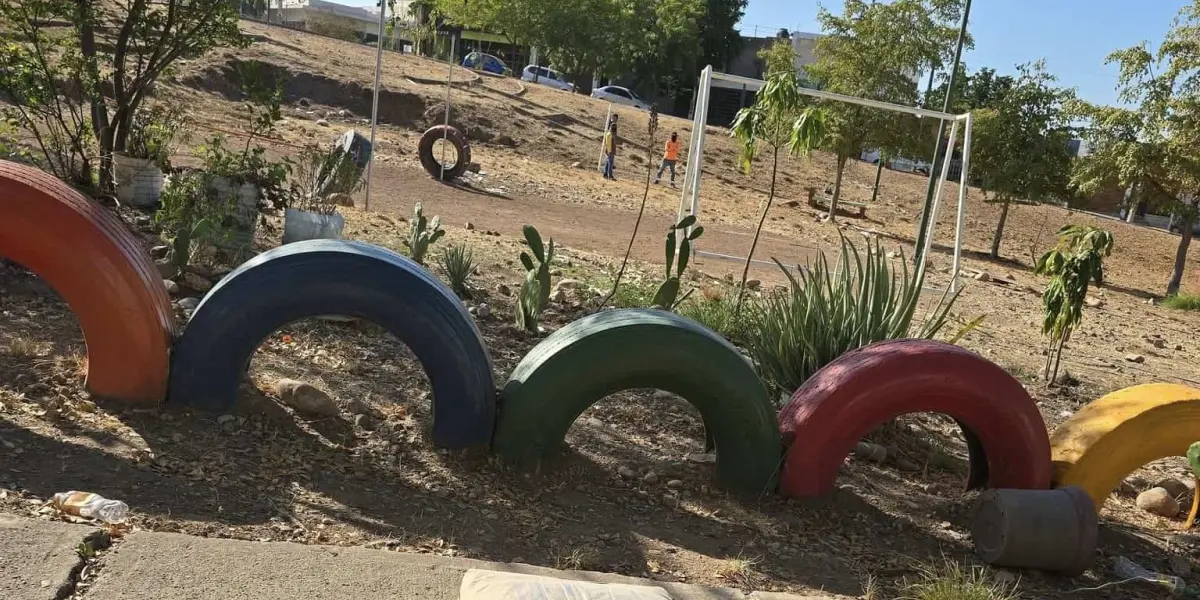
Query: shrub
(153, 133)
(192, 217)
(535, 289)
(1183, 301)
(825, 313)
(952, 581)
(717, 311)
(458, 262)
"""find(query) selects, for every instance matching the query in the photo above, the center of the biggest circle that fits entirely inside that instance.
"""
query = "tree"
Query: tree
(1153, 147)
(1076, 263)
(876, 50)
(111, 57)
(1020, 149)
(780, 118)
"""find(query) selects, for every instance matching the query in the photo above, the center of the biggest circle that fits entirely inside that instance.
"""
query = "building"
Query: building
(727, 98)
(357, 23)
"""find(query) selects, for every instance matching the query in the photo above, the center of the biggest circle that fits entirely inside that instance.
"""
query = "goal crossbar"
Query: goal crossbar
(689, 201)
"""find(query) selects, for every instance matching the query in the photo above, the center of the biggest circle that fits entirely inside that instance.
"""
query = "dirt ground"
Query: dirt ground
(266, 473)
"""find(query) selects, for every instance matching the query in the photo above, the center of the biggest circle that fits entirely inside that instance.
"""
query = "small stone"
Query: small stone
(1138, 482)
(483, 310)
(983, 276)
(197, 282)
(1093, 302)
(342, 112)
(358, 407)
(650, 478)
(167, 269)
(1158, 343)
(470, 226)
(503, 290)
(322, 122)
(1135, 358)
(670, 501)
(172, 287)
(473, 310)
(663, 395)
(893, 254)
(1159, 502)
(223, 419)
(305, 398)
(558, 297)
(305, 102)
(1004, 578)
(1180, 565)
(1175, 487)
(675, 484)
(871, 452)
(159, 252)
(1126, 489)
(576, 165)
(702, 458)
(1179, 346)
(189, 304)
(627, 473)
(364, 422)
(753, 284)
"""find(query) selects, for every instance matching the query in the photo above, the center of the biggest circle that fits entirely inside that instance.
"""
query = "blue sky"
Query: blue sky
(1073, 36)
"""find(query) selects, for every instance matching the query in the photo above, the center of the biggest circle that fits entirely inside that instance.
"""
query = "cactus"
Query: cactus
(535, 289)
(667, 297)
(423, 234)
(1193, 458)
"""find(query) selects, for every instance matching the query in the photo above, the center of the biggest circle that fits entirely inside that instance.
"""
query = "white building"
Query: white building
(331, 18)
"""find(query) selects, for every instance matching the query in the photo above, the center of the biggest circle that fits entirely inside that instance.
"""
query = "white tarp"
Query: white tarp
(494, 585)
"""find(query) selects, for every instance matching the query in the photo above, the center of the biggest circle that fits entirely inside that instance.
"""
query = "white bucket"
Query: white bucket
(139, 181)
(300, 225)
(245, 215)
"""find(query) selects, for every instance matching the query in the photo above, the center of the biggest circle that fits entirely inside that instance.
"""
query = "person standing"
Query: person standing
(670, 157)
(610, 149)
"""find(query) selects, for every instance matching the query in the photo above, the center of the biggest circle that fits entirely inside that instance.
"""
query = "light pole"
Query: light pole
(918, 253)
(375, 101)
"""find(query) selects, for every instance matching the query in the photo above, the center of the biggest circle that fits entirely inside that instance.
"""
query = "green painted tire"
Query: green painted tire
(618, 350)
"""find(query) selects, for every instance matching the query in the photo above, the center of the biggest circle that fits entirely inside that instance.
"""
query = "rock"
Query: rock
(1159, 502)
(1135, 358)
(702, 458)
(893, 254)
(223, 419)
(1093, 302)
(366, 422)
(568, 284)
(626, 473)
(342, 199)
(675, 484)
(663, 395)
(197, 282)
(670, 501)
(1126, 489)
(1179, 346)
(1175, 487)
(305, 102)
(871, 452)
(200, 270)
(342, 112)
(650, 478)
(1138, 482)
(1180, 565)
(1158, 343)
(305, 398)
(322, 122)
(558, 297)
(983, 276)
(576, 165)
(358, 407)
(505, 140)
(166, 268)
(753, 284)
(470, 226)
(172, 287)
(483, 311)
(503, 290)
(473, 310)
(159, 252)
(189, 304)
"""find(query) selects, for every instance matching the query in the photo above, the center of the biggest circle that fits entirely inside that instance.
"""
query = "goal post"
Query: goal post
(689, 200)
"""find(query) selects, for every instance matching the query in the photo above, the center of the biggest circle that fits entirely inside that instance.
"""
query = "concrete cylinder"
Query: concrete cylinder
(1049, 530)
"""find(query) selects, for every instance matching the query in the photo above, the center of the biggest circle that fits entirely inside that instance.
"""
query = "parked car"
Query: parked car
(897, 163)
(619, 95)
(485, 62)
(545, 76)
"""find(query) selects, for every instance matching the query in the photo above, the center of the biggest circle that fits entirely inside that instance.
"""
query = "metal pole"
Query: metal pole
(446, 122)
(375, 101)
(937, 200)
(918, 254)
(963, 178)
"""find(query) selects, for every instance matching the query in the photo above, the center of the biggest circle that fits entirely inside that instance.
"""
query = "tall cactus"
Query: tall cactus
(422, 234)
(667, 297)
(535, 289)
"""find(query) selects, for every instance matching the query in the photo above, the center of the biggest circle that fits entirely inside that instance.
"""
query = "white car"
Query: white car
(545, 76)
(619, 95)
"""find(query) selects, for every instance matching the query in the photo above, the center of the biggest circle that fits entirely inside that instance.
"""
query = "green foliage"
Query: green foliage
(458, 262)
(1193, 458)
(192, 218)
(422, 234)
(1182, 301)
(667, 296)
(952, 581)
(153, 133)
(316, 175)
(534, 295)
(827, 312)
(10, 145)
(1073, 265)
(719, 314)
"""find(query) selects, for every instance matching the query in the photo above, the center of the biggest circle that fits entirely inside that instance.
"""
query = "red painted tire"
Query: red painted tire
(862, 389)
(101, 271)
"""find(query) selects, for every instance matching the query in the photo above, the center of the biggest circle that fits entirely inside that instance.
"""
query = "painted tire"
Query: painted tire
(327, 277)
(1115, 435)
(101, 271)
(618, 350)
(864, 388)
(430, 162)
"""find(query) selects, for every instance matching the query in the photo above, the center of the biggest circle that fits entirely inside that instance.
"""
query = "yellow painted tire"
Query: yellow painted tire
(1113, 436)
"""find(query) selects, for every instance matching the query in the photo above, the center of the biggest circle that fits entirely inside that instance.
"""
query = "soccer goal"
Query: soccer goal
(689, 200)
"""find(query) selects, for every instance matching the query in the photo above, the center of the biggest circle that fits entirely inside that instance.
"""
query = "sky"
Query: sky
(1073, 36)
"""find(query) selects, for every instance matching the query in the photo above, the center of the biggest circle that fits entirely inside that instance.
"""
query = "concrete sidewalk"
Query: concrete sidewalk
(38, 562)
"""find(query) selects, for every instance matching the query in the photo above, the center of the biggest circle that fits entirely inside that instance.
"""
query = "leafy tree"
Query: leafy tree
(111, 55)
(1073, 265)
(1153, 147)
(875, 50)
(1020, 149)
(780, 117)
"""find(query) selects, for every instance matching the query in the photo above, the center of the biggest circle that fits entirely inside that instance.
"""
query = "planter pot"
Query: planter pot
(245, 213)
(139, 181)
(300, 225)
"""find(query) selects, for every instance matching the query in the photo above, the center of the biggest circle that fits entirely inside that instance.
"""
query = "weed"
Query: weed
(952, 581)
(576, 559)
(1183, 301)
(716, 311)
(634, 294)
(741, 572)
(458, 262)
(22, 347)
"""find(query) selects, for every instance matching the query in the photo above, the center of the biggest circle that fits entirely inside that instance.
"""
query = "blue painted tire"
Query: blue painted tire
(328, 277)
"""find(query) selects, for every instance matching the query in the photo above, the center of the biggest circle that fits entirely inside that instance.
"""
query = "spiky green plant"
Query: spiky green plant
(458, 262)
(535, 289)
(826, 312)
(422, 234)
(667, 296)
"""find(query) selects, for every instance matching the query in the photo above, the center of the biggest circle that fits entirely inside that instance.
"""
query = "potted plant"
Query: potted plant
(138, 171)
(319, 180)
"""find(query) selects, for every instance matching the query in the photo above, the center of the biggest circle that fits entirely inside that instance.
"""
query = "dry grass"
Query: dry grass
(23, 347)
(952, 581)
(741, 572)
(580, 558)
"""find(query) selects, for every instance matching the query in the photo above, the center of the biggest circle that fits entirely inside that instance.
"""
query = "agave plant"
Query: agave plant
(827, 312)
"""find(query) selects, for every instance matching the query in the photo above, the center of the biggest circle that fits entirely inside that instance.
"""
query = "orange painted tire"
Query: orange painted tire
(101, 271)
(864, 388)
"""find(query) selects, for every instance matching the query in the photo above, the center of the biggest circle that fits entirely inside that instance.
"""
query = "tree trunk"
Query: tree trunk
(1000, 229)
(737, 307)
(1185, 240)
(837, 188)
(99, 111)
(878, 176)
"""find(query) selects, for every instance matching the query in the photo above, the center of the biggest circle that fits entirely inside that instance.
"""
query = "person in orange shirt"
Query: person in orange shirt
(670, 157)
